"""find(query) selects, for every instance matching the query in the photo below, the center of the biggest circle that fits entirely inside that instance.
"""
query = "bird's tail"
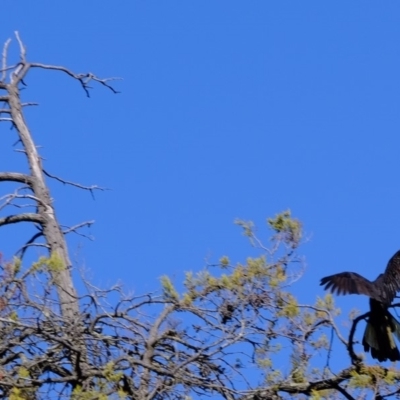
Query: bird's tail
(378, 337)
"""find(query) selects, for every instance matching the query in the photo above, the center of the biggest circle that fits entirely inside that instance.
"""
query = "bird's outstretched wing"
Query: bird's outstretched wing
(383, 288)
(351, 283)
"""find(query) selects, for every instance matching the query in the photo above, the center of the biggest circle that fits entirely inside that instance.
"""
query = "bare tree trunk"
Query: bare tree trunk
(51, 229)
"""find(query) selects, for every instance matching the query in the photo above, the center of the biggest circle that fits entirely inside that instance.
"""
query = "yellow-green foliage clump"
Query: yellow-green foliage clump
(316, 395)
(286, 227)
(23, 372)
(13, 316)
(289, 306)
(239, 280)
(187, 300)
(322, 342)
(248, 227)
(373, 374)
(110, 374)
(323, 394)
(22, 393)
(40, 265)
(255, 267)
(224, 261)
(360, 380)
(327, 303)
(277, 276)
(169, 290)
(390, 376)
(273, 377)
(308, 318)
(17, 394)
(17, 265)
(80, 394)
(54, 263)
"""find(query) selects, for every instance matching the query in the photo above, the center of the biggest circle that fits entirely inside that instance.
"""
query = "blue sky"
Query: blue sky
(227, 109)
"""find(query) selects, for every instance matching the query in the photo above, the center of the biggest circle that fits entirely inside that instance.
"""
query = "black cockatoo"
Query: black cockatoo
(378, 335)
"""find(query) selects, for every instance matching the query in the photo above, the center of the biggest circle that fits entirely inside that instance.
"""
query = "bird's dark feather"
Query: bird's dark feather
(382, 289)
(381, 325)
(350, 283)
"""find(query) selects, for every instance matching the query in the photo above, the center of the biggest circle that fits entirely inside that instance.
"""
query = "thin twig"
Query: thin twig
(78, 226)
(29, 104)
(89, 188)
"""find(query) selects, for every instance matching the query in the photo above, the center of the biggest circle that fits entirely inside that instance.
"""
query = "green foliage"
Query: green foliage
(273, 377)
(169, 290)
(17, 265)
(53, 263)
(286, 228)
(327, 304)
(322, 342)
(316, 395)
(13, 316)
(289, 307)
(248, 227)
(360, 380)
(224, 261)
(17, 393)
(110, 374)
(372, 375)
(80, 394)
(121, 394)
(23, 372)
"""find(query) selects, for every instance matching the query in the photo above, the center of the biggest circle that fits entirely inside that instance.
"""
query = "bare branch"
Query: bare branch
(78, 226)
(355, 359)
(330, 320)
(31, 242)
(65, 182)
(84, 79)
(21, 47)
(344, 393)
(29, 217)
(4, 59)
(15, 177)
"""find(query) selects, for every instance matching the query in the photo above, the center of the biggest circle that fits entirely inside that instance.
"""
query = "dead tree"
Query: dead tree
(45, 216)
